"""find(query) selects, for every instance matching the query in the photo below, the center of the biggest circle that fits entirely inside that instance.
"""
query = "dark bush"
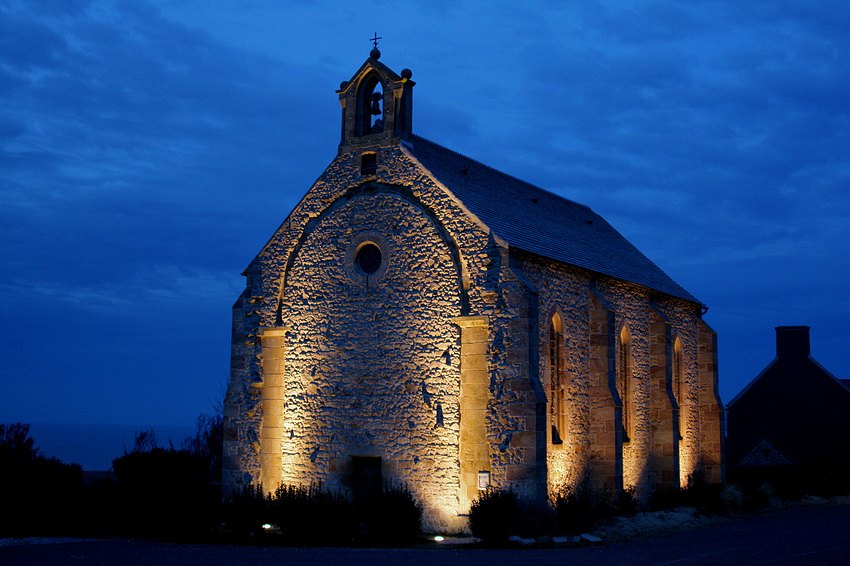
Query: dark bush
(666, 498)
(535, 518)
(207, 444)
(165, 493)
(705, 496)
(758, 497)
(246, 511)
(493, 514)
(40, 495)
(823, 479)
(497, 514)
(155, 491)
(626, 502)
(310, 515)
(392, 516)
(101, 514)
(580, 507)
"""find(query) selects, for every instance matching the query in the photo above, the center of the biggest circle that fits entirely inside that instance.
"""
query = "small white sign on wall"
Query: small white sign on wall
(483, 480)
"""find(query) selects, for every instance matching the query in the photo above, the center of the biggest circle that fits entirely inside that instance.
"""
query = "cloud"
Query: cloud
(158, 287)
(126, 138)
(149, 149)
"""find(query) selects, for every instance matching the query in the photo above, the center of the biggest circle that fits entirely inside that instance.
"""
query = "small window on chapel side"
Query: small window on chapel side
(624, 381)
(679, 385)
(557, 379)
(368, 164)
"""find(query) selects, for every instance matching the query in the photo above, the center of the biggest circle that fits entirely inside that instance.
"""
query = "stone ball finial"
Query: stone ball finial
(406, 73)
(375, 54)
(343, 85)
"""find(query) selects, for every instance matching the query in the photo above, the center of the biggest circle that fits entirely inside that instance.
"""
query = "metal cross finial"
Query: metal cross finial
(375, 39)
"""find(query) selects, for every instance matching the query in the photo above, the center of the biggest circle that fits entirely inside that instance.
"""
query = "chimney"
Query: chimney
(792, 341)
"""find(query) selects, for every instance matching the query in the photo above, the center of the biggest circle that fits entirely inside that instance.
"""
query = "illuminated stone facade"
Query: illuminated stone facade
(421, 318)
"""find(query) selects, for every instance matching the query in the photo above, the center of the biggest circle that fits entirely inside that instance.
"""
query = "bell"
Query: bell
(376, 108)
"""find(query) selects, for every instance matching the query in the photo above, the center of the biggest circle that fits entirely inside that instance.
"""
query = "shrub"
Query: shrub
(497, 514)
(165, 492)
(393, 515)
(310, 515)
(207, 443)
(731, 499)
(580, 507)
(493, 513)
(535, 518)
(758, 497)
(626, 502)
(246, 511)
(708, 497)
(666, 498)
(40, 495)
(156, 491)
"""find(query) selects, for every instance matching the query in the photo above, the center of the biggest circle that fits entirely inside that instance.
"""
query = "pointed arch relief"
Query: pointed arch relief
(558, 378)
(624, 381)
(679, 387)
(369, 257)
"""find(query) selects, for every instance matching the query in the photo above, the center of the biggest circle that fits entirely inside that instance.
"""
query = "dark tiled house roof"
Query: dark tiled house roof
(537, 221)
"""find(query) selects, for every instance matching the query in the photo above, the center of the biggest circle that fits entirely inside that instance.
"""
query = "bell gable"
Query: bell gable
(377, 106)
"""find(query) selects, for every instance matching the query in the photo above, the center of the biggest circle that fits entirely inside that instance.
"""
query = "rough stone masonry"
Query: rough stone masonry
(420, 318)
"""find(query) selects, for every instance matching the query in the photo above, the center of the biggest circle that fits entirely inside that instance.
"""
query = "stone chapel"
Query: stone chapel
(422, 318)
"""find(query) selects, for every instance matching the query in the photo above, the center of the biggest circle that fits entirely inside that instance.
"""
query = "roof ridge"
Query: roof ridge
(539, 221)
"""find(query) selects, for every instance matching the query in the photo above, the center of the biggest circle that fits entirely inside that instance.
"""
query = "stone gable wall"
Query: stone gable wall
(372, 368)
(382, 357)
(437, 363)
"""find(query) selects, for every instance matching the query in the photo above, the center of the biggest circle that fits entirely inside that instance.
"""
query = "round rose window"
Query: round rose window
(369, 258)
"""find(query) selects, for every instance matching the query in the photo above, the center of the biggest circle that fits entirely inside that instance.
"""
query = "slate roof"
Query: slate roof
(534, 220)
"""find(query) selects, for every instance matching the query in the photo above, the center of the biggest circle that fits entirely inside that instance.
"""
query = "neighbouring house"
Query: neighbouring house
(422, 318)
(787, 427)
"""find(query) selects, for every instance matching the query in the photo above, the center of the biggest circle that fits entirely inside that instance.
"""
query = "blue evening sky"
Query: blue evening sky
(149, 148)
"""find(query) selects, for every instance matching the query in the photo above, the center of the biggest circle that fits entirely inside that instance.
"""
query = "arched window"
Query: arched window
(370, 111)
(624, 381)
(679, 384)
(557, 379)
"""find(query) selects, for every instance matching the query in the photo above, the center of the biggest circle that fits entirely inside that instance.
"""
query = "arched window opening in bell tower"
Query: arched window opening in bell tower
(377, 112)
(557, 379)
(679, 385)
(624, 379)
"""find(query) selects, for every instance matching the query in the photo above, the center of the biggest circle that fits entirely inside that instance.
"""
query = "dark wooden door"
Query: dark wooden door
(367, 481)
